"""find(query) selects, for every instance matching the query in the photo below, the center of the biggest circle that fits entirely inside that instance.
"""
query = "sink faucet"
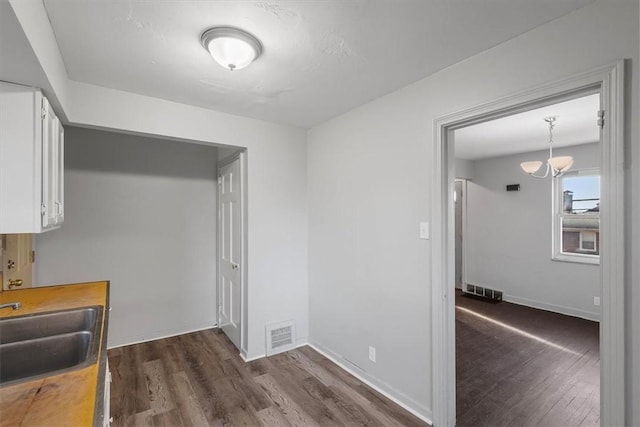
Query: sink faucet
(16, 305)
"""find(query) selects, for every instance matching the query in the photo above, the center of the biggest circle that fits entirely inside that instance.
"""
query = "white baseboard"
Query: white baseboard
(381, 387)
(243, 354)
(552, 307)
(252, 358)
(161, 335)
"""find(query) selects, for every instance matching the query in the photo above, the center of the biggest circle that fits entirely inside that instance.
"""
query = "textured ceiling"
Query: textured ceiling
(321, 58)
(576, 123)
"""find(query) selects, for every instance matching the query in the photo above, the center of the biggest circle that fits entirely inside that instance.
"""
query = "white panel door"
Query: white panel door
(230, 275)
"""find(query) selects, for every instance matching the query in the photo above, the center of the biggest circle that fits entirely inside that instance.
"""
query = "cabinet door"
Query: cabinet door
(106, 421)
(18, 262)
(60, 174)
(31, 162)
(49, 165)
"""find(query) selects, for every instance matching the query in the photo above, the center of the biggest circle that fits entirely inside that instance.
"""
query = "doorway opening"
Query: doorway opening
(526, 317)
(608, 83)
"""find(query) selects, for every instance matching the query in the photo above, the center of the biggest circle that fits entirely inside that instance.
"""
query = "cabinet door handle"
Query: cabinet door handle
(15, 283)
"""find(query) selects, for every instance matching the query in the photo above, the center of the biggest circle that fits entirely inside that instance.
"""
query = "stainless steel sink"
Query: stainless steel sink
(21, 328)
(49, 343)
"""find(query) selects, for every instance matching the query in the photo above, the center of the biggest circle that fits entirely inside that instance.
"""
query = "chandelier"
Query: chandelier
(556, 166)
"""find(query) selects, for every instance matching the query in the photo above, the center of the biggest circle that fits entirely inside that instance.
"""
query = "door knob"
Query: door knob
(15, 283)
(234, 266)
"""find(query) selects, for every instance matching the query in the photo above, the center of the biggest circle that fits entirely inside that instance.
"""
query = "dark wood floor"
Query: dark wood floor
(198, 379)
(507, 378)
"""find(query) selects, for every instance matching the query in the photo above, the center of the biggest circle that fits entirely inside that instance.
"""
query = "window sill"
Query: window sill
(577, 259)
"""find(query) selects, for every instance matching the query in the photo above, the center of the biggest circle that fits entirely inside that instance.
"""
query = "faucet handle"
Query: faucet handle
(15, 305)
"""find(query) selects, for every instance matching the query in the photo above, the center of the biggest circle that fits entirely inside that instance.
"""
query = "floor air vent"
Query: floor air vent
(480, 291)
(280, 337)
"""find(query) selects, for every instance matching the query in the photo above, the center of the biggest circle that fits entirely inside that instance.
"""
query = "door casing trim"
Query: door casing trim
(463, 203)
(607, 80)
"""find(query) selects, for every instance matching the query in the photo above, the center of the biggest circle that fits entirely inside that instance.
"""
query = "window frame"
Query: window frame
(558, 215)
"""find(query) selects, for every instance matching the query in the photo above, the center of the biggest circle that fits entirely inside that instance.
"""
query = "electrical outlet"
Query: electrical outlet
(596, 301)
(372, 354)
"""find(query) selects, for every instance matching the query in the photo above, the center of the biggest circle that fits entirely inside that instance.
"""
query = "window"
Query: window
(577, 217)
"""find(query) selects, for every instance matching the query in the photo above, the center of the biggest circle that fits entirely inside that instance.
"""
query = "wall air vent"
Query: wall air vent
(479, 291)
(280, 337)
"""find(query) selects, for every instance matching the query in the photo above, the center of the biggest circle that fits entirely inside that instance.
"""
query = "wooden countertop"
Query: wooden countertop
(66, 399)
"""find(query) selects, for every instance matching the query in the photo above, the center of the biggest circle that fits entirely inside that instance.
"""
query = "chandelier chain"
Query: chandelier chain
(552, 123)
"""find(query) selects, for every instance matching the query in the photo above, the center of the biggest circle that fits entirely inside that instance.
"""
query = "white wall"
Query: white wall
(465, 169)
(370, 181)
(141, 213)
(277, 203)
(52, 75)
(508, 238)
(277, 185)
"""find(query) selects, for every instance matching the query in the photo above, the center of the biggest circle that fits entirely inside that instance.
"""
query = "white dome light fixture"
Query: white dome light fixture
(556, 166)
(231, 47)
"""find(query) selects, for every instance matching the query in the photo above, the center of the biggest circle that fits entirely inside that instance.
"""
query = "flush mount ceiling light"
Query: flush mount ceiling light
(231, 47)
(556, 166)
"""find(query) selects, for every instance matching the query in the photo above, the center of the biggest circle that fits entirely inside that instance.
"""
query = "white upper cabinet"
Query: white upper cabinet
(31, 162)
